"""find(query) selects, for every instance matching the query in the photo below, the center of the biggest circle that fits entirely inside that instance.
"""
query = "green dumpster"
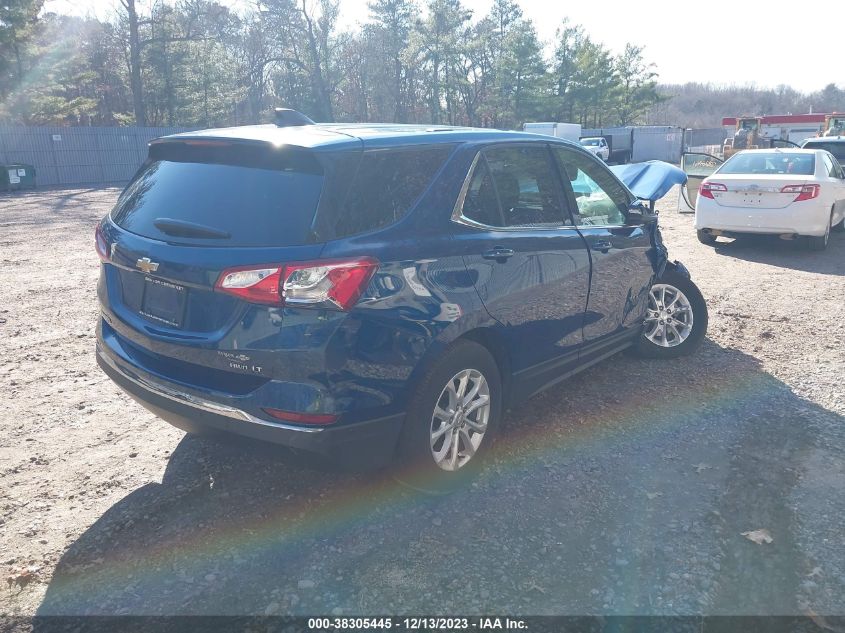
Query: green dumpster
(13, 177)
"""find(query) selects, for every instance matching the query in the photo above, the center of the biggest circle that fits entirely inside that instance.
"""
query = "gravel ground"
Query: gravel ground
(625, 490)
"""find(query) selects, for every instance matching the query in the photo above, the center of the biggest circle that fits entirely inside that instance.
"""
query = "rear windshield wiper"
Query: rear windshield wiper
(181, 228)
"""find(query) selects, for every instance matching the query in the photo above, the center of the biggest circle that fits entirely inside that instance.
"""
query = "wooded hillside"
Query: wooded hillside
(197, 63)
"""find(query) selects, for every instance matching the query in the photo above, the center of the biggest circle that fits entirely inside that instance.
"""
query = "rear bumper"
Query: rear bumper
(792, 220)
(364, 444)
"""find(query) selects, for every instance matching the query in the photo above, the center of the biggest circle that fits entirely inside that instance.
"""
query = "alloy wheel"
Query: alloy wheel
(669, 318)
(460, 419)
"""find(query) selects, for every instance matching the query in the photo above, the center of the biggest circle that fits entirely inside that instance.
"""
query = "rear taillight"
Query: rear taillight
(707, 188)
(334, 284)
(256, 285)
(302, 418)
(101, 244)
(804, 192)
(340, 282)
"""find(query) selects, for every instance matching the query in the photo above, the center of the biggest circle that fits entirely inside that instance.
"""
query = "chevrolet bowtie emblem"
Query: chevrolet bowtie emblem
(146, 265)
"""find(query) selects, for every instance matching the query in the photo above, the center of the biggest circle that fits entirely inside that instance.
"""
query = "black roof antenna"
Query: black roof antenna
(285, 117)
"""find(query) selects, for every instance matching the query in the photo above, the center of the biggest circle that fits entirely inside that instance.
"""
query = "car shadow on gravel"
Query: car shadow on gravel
(625, 490)
(765, 249)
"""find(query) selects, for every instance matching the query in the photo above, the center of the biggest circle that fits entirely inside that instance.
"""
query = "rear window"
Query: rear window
(226, 196)
(837, 149)
(770, 163)
(386, 186)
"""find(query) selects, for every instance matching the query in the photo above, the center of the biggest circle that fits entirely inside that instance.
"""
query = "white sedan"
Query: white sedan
(794, 193)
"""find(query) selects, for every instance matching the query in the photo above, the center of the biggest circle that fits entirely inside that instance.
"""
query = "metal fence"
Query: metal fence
(65, 156)
(657, 142)
(707, 140)
(648, 142)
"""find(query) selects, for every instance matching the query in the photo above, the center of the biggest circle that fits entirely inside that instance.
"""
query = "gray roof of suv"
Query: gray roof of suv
(823, 139)
(350, 135)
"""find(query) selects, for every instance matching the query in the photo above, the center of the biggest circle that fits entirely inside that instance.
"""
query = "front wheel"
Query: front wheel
(676, 319)
(451, 421)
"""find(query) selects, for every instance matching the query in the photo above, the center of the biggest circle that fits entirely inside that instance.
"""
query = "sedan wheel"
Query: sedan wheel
(706, 238)
(820, 243)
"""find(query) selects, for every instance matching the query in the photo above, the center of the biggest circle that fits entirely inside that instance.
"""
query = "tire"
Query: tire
(706, 238)
(839, 227)
(819, 242)
(688, 322)
(417, 465)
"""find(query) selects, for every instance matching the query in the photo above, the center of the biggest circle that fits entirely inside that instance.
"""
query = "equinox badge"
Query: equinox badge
(146, 265)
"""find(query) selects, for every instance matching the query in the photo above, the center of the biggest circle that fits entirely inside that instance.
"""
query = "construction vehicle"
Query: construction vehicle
(746, 136)
(786, 127)
(834, 125)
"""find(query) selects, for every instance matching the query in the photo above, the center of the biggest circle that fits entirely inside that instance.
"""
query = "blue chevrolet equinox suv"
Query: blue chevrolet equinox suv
(376, 293)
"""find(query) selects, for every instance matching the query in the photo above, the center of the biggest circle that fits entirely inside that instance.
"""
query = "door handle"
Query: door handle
(601, 245)
(499, 253)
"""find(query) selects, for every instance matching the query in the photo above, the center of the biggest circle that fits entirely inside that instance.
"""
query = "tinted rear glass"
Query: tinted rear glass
(837, 149)
(236, 196)
(386, 185)
(770, 163)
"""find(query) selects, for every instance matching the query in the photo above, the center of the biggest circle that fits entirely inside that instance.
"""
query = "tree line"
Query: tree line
(197, 63)
(704, 105)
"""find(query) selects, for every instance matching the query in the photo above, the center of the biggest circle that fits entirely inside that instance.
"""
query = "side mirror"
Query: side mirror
(639, 214)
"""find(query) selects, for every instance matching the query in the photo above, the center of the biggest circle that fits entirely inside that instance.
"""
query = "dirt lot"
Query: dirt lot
(624, 490)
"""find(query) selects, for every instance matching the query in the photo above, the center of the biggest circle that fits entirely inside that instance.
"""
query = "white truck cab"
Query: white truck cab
(598, 146)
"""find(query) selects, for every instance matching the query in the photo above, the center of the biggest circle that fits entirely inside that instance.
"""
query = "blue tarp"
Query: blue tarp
(650, 180)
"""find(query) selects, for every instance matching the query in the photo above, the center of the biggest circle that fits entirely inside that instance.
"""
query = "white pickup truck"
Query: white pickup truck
(598, 146)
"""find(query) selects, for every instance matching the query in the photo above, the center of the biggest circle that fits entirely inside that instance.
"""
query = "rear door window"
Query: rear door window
(527, 186)
(386, 186)
(243, 197)
(480, 202)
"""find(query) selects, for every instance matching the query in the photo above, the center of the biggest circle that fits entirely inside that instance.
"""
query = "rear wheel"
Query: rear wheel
(706, 238)
(819, 242)
(839, 226)
(451, 421)
(676, 319)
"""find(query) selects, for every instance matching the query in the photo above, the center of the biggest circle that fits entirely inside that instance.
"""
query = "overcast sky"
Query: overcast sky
(718, 41)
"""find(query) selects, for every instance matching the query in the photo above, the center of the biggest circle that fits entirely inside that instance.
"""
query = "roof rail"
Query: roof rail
(286, 117)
